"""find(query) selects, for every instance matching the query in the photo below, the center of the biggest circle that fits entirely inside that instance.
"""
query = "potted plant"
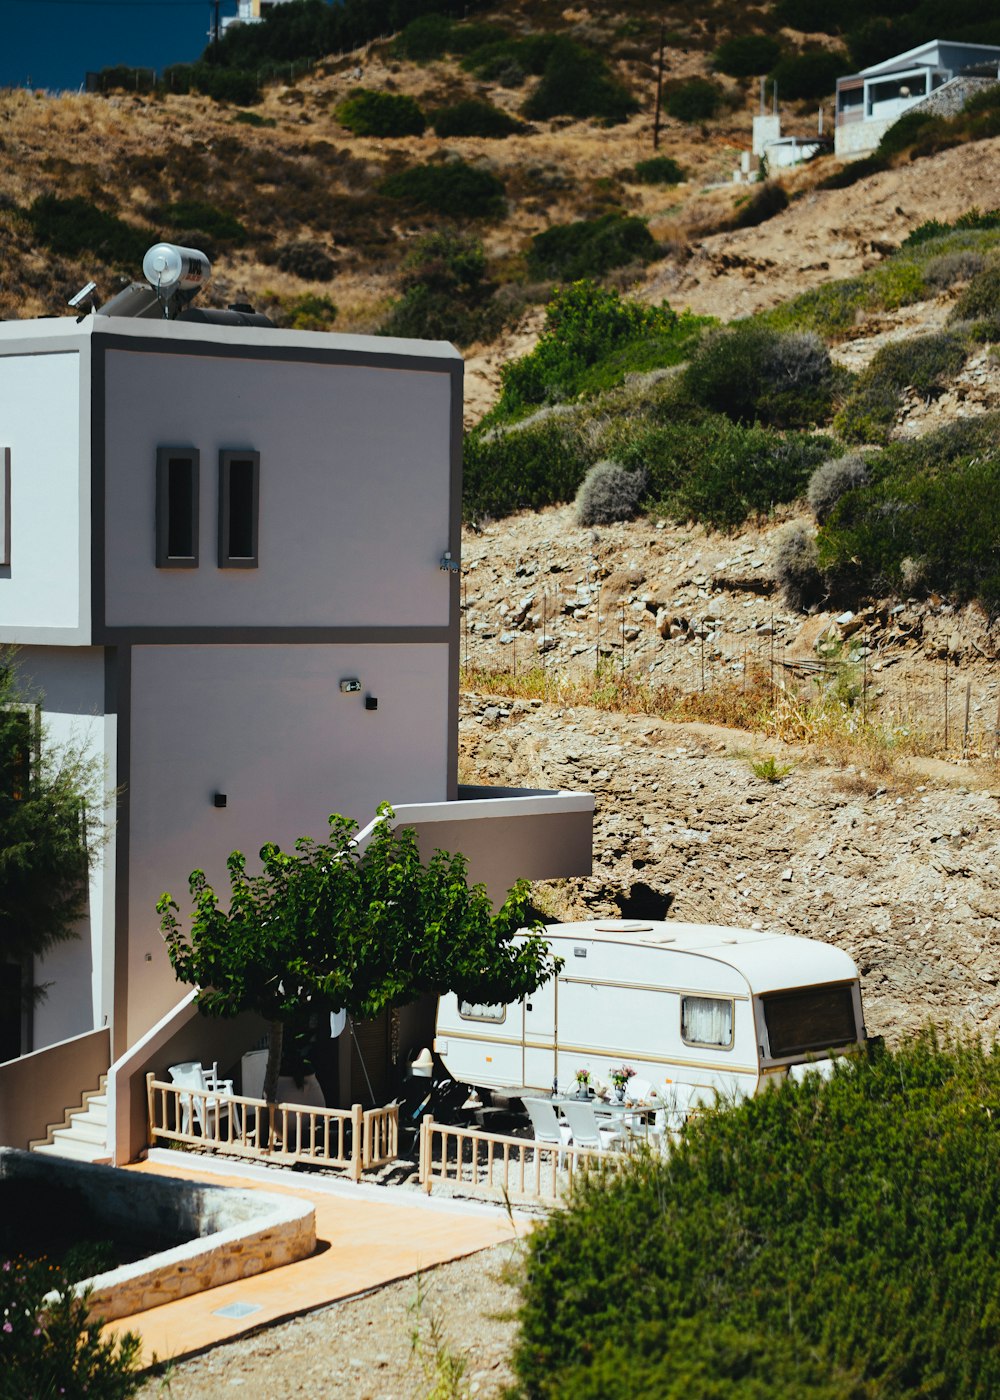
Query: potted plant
(583, 1083)
(619, 1079)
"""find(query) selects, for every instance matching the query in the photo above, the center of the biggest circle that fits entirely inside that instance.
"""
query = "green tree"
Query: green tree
(50, 827)
(329, 927)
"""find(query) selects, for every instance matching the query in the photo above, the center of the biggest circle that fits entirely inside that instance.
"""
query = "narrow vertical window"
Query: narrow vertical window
(176, 508)
(239, 494)
(4, 505)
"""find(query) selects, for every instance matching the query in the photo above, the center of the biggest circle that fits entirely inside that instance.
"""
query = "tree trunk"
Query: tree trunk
(275, 1040)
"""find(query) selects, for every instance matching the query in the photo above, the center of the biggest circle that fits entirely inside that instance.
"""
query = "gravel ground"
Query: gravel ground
(393, 1344)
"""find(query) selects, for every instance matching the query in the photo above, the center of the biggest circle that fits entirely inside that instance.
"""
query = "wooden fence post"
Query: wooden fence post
(150, 1102)
(357, 1140)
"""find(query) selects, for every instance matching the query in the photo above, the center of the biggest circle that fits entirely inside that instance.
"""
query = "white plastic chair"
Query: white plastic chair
(587, 1130)
(546, 1126)
(207, 1112)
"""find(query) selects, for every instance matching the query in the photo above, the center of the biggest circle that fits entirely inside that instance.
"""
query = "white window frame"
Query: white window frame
(710, 1044)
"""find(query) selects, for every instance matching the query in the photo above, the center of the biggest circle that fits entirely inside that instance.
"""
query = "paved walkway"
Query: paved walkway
(367, 1236)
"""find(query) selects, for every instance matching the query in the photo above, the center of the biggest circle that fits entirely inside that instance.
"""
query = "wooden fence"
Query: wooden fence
(495, 1167)
(353, 1139)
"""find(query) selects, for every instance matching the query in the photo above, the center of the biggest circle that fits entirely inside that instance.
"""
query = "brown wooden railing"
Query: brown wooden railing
(504, 1168)
(233, 1125)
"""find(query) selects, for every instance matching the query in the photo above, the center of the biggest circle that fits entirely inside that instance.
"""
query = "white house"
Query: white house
(232, 572)
(250, 12)
(870, 101)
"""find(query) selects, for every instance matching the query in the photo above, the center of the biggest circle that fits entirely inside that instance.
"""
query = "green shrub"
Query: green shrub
(922, 364)
(720, 473)
(750, 372)
(658, 170)
(906, 130)
(522, 468)
(766, 201)
(589, 330)
(833, 479)
(971, 219)
(747, 55)
(853, 172)
(217, 223)
(576, 83)
(221, 84)
(446, 293)
(946, 514)
(530, 55)
(73, 226)
(51, 1349)
(590, 247)
(254, 119)
(370, 113)
(467, 38)
(307, 312)
(473, 117)
(696, 100)
(455, 189)
(307, 260)
(813, 73)
(981, 298)
(424, 38)
(609, 492)
(830, 1241)
(946, 269)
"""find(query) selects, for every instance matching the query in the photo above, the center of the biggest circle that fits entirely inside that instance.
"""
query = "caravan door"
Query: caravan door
(539, 1039)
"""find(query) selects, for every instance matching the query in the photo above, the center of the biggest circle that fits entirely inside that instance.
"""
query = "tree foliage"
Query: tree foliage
(329, 927)
(50, 825)
(826, 1239)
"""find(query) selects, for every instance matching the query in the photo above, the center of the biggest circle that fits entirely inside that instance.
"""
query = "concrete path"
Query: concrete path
(367, 1236)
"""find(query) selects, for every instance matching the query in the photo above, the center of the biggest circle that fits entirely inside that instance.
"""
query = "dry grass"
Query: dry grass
(825, 727)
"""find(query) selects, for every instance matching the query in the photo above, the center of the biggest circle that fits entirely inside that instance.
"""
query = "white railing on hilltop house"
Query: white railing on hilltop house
(513, 1169)
(353, 1139)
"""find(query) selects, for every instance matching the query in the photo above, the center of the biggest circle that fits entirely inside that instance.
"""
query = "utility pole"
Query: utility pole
(215, 24)
(659, 92)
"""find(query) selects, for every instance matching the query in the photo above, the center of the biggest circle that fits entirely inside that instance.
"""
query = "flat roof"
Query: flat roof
(64, 332)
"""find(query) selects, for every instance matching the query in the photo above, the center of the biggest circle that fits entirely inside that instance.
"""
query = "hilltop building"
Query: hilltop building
(938, 76)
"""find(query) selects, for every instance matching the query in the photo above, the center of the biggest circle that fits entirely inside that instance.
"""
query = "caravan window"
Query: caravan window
(812, 1018)
(707, 1021)
(477, 1011)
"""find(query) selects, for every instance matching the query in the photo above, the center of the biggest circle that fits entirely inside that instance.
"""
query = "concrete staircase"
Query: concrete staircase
(83, 1134)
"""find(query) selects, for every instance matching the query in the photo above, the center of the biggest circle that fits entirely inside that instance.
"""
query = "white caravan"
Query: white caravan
(696, 1004)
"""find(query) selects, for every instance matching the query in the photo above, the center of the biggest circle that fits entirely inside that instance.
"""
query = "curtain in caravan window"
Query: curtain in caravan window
(707, 1021)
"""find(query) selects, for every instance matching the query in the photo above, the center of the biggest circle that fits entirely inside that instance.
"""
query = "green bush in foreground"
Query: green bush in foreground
(522, 468)
(52, 1350)
(370, 113)
(827, 1240)
(456, 190)
(446, 292)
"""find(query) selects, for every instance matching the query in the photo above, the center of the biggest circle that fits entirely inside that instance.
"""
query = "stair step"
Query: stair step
(79, 1151)
(97, 1116)
(81, 1130)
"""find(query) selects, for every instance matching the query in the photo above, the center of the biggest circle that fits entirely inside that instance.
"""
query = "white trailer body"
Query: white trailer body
(700, 1004)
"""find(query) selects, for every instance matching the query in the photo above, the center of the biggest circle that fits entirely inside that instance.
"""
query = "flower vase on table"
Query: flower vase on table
(583, 1083)
(619, 1080)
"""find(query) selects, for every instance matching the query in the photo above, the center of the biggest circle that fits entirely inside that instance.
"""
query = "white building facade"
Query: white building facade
(232, 575)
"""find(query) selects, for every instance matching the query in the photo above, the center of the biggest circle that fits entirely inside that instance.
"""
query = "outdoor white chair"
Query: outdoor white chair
(209, 1113)
(546, 1126)
(589, 1131)
(823, 1068)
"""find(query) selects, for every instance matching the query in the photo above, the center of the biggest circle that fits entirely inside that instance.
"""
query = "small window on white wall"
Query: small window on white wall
(239, 498)
(177, 508)
(4, 505)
